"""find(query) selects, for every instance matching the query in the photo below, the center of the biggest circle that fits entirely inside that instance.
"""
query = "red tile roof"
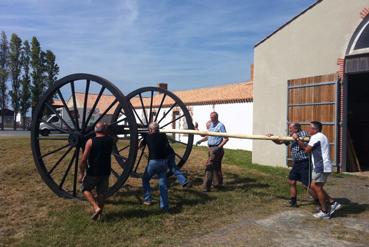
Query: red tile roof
(228, 93)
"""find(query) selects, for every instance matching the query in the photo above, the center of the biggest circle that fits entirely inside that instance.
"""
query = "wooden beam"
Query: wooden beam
(230, 135)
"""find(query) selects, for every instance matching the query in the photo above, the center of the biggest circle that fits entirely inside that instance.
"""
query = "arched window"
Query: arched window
(363, 40)
(359, 42)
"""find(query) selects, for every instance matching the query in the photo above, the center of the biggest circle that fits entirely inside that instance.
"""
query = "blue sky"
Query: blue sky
(135, 43)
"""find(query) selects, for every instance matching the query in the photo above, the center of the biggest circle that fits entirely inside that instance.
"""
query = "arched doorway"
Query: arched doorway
(356, 101)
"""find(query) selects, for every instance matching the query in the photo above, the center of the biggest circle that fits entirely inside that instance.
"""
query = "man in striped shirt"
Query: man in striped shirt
(301, 166)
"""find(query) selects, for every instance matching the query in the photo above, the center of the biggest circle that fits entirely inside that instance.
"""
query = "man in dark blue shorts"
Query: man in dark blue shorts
(301, 166)
(97, 158)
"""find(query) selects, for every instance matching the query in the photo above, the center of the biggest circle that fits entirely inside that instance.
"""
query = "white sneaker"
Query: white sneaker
(322, 215)
(334, 207)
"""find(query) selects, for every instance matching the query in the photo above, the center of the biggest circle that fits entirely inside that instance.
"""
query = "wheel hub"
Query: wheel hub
(76, 139)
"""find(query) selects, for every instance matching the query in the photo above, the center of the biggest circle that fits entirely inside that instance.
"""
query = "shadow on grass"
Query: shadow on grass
(178, 197)
(183, 198)
(236, 182)
(350, 208)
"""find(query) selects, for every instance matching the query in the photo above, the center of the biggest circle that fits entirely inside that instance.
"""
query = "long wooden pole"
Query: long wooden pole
(231, 135)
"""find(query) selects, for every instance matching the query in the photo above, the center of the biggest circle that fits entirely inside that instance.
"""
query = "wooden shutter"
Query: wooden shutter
(314, 99)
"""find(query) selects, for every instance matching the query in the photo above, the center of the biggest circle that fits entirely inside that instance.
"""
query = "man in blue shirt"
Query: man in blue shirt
(213, 170)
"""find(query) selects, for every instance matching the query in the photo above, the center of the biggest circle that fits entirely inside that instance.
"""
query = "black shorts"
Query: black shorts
(301, 172)
(100, 183)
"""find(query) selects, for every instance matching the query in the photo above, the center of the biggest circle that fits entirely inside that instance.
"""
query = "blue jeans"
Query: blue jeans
(182, 180)
(160, 168)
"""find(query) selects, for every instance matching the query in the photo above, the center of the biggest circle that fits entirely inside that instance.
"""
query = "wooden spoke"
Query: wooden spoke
(150, 113)
(85, 105)
(54, 151)
(135, 112)
(161, 104)
(143, 109)
(94, 106)
(114, 173)
(76, 113)
(139, 160)
(66, 107)
(75, 174)
(67, 171)
(161, 127)
(59, 160)
(104, 113)
(167, 112)
(57, 114)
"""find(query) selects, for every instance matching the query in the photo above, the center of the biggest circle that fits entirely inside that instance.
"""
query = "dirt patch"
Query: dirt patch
(297, 227)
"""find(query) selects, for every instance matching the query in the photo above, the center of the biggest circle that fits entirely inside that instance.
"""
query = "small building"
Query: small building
(8, 118)
(316, 67)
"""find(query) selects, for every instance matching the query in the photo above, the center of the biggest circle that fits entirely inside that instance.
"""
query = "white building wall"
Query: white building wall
(308, 46)
(237, 118)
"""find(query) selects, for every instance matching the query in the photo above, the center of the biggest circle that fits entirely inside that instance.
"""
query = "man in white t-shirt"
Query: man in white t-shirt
(318, 146)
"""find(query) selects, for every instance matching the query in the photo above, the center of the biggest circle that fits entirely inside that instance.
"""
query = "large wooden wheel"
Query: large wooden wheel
(164, 107)
(64, 120)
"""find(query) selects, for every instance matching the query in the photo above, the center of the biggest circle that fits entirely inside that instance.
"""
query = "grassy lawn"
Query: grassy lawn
(31, 215)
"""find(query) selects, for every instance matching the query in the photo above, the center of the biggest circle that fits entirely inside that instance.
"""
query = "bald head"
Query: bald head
(100, 128)
(153, 127)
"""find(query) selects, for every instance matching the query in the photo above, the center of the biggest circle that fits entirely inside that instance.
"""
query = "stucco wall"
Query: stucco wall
(308, 46)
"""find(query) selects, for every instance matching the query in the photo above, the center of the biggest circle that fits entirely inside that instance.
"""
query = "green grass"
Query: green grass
(47, 220)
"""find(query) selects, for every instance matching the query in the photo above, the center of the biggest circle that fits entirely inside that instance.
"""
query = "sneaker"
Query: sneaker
(187, 185)
(322, 215)
(293, 205)
(334, 207)
(147, 203)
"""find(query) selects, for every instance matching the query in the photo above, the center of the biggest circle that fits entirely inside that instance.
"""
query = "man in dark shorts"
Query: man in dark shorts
(301, 166)
(97, 158)
(318, 146)
(158, 164)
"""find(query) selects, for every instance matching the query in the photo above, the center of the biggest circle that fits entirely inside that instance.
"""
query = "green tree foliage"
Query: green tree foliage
(15, 67)
(51, 68)
(38, 82)
(4, 73)
(25, 97)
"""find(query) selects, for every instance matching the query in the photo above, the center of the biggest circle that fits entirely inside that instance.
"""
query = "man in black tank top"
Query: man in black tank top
(95, 168)
(158, 164)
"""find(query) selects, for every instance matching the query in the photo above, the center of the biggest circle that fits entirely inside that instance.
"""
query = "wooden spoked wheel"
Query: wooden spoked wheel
(153, 104)
(65, 119)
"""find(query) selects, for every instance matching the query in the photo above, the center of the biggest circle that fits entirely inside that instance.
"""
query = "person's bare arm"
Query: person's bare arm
(225, 140)
(303, 145)
(82, 166)
(204, 139)
(276, 141)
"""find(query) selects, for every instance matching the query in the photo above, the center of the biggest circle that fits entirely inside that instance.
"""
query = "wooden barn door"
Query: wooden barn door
(314, 99)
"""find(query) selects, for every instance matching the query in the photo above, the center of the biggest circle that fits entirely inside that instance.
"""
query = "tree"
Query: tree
(37, 72)
(51, 68)
(25, 97)
(4, 73)
(15, 67)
